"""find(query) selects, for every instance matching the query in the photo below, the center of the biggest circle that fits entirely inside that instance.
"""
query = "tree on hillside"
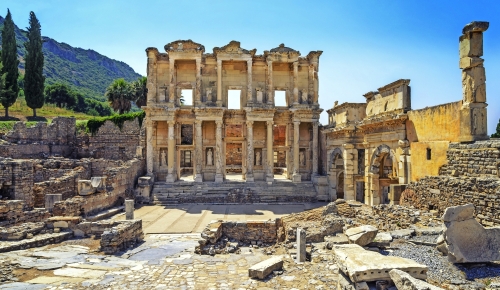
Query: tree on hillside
(9, 93)
(140, 91)
(33, 78)
(60, 94)
(120, 94)
(2, 79)
(497, 133)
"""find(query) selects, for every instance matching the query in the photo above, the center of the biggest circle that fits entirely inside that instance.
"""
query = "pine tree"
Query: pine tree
(497, 133)
(10, 62)
(33, 78)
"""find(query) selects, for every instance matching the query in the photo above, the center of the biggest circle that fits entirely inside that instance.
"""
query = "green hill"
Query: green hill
(84, 69)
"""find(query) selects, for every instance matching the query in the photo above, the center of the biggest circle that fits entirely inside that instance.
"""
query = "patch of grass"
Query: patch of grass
(48, 111)
(94, 124)
(6, 126)
(81, 126)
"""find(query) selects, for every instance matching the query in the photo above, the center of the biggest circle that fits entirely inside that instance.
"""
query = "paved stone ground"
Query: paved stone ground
(161, 262)
(192, 218)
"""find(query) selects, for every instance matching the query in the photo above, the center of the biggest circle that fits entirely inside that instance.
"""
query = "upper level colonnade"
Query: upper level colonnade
(210, 76)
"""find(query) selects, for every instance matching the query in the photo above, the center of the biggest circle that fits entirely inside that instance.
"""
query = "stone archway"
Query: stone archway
(335, 167)
(383, 172)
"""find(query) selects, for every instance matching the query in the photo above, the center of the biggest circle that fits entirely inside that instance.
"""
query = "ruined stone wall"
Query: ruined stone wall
(12, 212)
(264, 231)
(16, 180)
(479, 159)
(122, 235)
(110, 142)
(45, 169)
(67, 185)
(440, 192)
(56, 139)
(120, 183)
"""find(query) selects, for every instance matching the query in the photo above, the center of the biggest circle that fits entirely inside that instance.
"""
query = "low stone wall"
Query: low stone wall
(67, 185)
(45, 169)
(87, 205)
(12, 213)
(20, 232)
(121, 236)
(439, 192)
(251, 231)
(479, 159)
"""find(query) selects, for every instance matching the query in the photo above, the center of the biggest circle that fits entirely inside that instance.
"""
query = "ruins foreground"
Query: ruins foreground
(242, 188)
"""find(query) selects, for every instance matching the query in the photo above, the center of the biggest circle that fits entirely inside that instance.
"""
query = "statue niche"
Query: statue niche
(210, 157)
(163, 157)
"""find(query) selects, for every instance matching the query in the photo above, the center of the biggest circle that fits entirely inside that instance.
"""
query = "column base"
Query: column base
(249, 178)
(198, 178)
(296, 178)
(219, 178)
(170, 177)
(218, 103)
(270, 179)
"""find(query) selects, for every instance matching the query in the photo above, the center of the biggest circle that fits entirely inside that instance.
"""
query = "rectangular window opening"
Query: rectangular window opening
(186, 97)
(429, 156)
(234, 99)
(280, 99)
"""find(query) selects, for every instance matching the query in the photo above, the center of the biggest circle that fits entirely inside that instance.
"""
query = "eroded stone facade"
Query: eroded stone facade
(257, 139)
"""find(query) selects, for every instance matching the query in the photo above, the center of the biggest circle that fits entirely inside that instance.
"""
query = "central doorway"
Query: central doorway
(234, 161)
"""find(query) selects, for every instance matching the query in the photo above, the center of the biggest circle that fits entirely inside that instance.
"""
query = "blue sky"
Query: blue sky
(366, 44)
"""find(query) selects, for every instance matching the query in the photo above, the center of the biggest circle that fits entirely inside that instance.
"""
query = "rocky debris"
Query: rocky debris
(405, 281)
(362, 265)
(339, 239)
(362, 235)
(266, 267)
(402, 234)
(330, 208)
(381, 240)
(467, 241)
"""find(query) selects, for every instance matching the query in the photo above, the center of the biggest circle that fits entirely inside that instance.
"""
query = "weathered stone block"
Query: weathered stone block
(405, 281)
(361, 235)
(471, 45)
(264, 268)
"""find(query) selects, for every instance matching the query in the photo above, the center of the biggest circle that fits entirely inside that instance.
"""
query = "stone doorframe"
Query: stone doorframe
(243, 157)
(373, 175)
(334, 172)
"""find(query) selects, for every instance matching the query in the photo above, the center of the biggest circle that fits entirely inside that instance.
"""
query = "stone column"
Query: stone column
(270, 89)
(296, 166)
(249, 82)
(301, 246)
(473, 124)
(219, 177)
(198, 148)
(250, 153)
(197, 99)
(315, 149)
(310, 89)
(295, 82)
(219, 83)
(348, 156)
(129, 209)
(149, 146)
(172, 88)
(171, 151)
(270, 152)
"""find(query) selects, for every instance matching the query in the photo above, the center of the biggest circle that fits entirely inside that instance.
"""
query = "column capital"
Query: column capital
(249, 123)
(296, 122)
(315, 123)
(270, 123)
(218, 123)
(171, 123)
(198, 122)
(219, 62)
(295, 64)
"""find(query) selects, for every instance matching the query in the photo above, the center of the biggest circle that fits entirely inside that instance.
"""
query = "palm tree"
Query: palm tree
(120, 94)
(140, 91)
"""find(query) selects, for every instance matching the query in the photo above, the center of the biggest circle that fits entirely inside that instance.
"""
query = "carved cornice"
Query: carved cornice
(346, 106)
(280, 52)
(233, 47)
(394, 85)
(184, 46)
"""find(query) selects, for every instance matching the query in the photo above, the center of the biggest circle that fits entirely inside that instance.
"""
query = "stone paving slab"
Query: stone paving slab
(192, 218)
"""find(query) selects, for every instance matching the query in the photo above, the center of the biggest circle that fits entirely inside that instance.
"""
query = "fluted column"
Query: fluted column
(249, 82)
(296, 166)
(171, 151)
(270, 152)
(197, 99)
(315, 149)
(295, 82)
(149, 146)
(219, 83)
(172, 88)
(219, 177)
(270, 90)
(198, 148)
(250, 154)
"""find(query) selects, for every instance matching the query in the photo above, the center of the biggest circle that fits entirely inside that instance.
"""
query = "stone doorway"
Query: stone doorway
(360, 191)
(340, 185)
(234, 161)
(186, 165)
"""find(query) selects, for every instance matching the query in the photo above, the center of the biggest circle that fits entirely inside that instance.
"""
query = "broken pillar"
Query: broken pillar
(301, 246)
(144, 187)
(473, 111)
(50, 200)
(129, 209)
